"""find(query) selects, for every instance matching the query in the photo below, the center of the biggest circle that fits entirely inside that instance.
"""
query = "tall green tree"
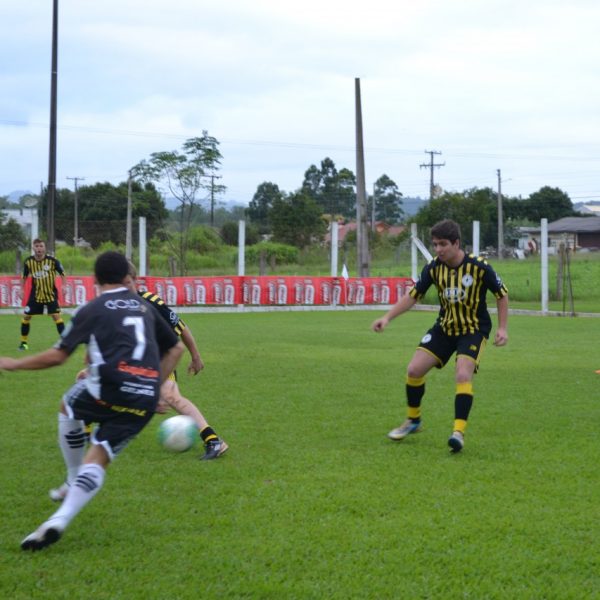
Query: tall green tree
(476, 204)
(297, 220)
(334, 191)
(189, 177)
(548, 203)
(388, 201)
(262, 202)
(11, 234)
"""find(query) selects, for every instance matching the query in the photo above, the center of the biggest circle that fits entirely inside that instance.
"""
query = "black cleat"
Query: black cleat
(214, 449)
(45, 535)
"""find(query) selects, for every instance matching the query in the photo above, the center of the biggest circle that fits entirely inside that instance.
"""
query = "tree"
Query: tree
(388, 201)
(266, 195)
(476, 204)
(102, 211)
(11, 234)
(297, 220)
(185, 175)
(230, 234)
(333, 190)
(548, 203)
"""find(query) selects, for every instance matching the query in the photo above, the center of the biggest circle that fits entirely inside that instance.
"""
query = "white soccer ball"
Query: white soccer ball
(178, 434)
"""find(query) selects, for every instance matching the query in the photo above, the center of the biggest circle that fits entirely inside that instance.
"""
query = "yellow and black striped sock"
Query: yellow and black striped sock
(60, 326)
(25, 329)
(415, 390)
(462, 405)
(208, 434)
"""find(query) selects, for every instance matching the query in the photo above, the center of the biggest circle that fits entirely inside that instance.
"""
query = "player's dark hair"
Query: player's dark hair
(111, 267)
(37, 241)
(446, 230)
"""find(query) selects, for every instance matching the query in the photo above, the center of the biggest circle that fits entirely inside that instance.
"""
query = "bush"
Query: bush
(203, 239)
(279, 253)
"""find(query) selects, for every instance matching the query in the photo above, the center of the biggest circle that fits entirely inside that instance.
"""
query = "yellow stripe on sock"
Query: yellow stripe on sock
(464, 388)
(415, 381)
(413, 412)
(460, 425)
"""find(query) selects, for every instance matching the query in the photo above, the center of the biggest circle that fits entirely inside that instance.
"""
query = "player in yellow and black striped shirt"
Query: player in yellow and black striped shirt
(170, 395)
(462, 327)
(43, 270)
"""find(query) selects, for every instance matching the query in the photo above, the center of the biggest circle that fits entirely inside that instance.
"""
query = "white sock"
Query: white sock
(72, 441)
(85, 486)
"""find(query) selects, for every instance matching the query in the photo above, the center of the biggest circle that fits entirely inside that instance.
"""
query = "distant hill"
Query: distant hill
(411, 206)
(17, 195)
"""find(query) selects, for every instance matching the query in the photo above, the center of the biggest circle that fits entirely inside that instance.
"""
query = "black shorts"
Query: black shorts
(37, 308)
(117, 425)
(443, 346)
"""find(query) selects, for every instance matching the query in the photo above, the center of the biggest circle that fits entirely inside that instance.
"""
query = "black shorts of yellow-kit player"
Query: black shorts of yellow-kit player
(37, 308)
(443, 346)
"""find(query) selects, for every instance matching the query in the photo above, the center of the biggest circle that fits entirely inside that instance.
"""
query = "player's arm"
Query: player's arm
(196, 365)
(44, 360)
(501, 336)
(403, 305)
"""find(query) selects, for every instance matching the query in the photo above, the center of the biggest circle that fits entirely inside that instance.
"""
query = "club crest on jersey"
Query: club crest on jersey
(467, 280)
(454, 295)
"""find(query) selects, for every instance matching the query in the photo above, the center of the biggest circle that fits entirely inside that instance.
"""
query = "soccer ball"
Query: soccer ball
(178, 434)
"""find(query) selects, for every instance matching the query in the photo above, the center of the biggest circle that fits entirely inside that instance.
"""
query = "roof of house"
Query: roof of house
(575, 225)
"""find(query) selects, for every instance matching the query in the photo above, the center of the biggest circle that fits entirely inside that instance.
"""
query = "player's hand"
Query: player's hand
(8, 364)
(195, 366)
(379, 325)
(501, 337)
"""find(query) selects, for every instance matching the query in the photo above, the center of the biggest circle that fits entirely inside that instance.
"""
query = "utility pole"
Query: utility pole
(52, 150)
(362, 231)
(76, 211)
(128, 234)
(431, 165)
(500, 217)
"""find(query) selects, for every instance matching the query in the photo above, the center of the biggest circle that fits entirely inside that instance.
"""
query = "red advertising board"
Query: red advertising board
(235, 290)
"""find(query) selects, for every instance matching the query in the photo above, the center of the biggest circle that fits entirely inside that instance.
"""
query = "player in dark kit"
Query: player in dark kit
(462, 327)
(130, 350)
(43, 270)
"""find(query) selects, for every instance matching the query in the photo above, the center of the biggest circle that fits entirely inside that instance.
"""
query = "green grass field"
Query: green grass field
(312, 501)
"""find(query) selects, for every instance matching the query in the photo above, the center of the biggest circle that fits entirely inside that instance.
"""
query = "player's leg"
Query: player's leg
(213, 444)
(467, 359)
(25, 328)
(54, 312)
(86, 485)
(434, 350)
(72, 438)
(115, 431)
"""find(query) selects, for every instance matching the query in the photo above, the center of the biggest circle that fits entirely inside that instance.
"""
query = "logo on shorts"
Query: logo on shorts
(467, 280)
(426, 338)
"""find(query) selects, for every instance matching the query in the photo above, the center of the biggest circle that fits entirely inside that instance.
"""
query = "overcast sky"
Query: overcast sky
(491, 84)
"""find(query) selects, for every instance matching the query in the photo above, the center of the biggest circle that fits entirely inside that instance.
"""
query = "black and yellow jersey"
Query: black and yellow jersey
(170, 316)
(43, 276)
(462, 291)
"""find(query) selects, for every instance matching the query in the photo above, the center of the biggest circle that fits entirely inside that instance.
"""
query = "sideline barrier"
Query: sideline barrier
(236, 290)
